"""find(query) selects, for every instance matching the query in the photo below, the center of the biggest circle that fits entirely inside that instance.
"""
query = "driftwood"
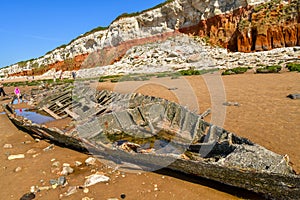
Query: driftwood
(154, 133)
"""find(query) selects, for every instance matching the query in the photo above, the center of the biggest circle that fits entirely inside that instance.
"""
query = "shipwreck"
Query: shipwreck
(156, 133)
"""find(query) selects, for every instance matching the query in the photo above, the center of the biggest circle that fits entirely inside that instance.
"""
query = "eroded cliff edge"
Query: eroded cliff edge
(239, 25)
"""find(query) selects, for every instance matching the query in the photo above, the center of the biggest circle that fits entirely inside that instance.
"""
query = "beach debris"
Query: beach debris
(18, 169)
(86, 190)
(228, 103)
(78, 163)
(94, 179)
(56, 164)
(18, 156)
(293, 96)
(8, 146)
(66, 169)
(123, 196)
(31, 151)
(28, 196)
(205, 113)
(71, 190)
(61, 181)
(90, 161)
(87, 198)
(50, 147)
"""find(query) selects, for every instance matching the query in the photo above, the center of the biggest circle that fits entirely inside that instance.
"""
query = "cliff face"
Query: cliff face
(239, 25)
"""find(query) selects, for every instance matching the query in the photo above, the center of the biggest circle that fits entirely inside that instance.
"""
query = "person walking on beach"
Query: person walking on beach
(2, 90)
(17, 93)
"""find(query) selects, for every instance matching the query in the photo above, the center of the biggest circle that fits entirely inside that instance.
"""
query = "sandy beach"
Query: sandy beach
(264, 115)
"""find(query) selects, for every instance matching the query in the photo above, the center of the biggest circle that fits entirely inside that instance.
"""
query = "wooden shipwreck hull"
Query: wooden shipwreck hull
(155, 133)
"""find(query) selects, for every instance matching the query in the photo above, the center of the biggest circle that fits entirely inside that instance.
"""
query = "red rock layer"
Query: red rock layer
(227, 30)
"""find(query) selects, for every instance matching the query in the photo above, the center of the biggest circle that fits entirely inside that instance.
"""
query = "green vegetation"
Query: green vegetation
(269, 69)
(237, 70)
(293, 66)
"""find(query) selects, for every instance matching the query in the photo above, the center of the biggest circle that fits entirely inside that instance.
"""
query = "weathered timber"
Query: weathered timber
(154, 133)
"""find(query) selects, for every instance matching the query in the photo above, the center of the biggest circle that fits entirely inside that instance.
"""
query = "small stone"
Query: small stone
(53, 182)
(50, 147)
(90, 161)
(8, 146)
(86, 190)
(61, 180)
(32, 189)
(18, 156)
(67, 170)
(18, 169)
(95, 178)
(53, 159)
(87, 198)
(56, 164)
(28, 196)
(78, 163)
(31, 151)
(123, 196)
(71, 190)
(36, 155)
(37, 140)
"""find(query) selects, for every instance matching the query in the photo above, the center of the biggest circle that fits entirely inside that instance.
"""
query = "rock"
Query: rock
(90, 161)
(28, 196)
(123, 196)
(18, 156)
(31, 151)
(18, 169)
(56, 164)
(71, 190)
(294, 96)
(66, 170)
(228, 103)
(94, 179)
(78, 163)
(87, 198)
(50, 147)
(62, 180)
(86, 190)
(8, 146)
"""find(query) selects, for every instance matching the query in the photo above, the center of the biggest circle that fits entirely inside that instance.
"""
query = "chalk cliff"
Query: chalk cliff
(238, 25)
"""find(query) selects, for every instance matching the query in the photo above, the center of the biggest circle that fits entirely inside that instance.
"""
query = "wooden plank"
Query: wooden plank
(72, 114)
(51, 113)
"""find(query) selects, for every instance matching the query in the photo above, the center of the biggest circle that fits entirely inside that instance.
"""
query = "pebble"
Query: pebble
(67, 170)
(28, 196)
(71, 190)
(18, 156)
(8, 146)
(31, 151)
(87, 198)
(18, 169)
(86, 190)
(50, 147)
(78, 163)
(56, 164)
(94, 179)
(123, 196)
(90, 161)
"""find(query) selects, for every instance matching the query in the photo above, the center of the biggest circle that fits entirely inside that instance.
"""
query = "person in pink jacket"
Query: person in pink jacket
(17, 93)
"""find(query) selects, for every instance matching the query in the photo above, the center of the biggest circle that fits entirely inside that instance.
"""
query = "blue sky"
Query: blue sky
(29, 29)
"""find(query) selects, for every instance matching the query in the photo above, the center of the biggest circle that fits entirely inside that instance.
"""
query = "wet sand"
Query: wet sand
(264, 115)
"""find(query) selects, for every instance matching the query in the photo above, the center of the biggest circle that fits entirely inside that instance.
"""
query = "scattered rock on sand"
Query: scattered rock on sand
(8, 146)
(18, 156)
(294, 96)
(28, 196)
(18, 169)
(94, 179)
(90, 161)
